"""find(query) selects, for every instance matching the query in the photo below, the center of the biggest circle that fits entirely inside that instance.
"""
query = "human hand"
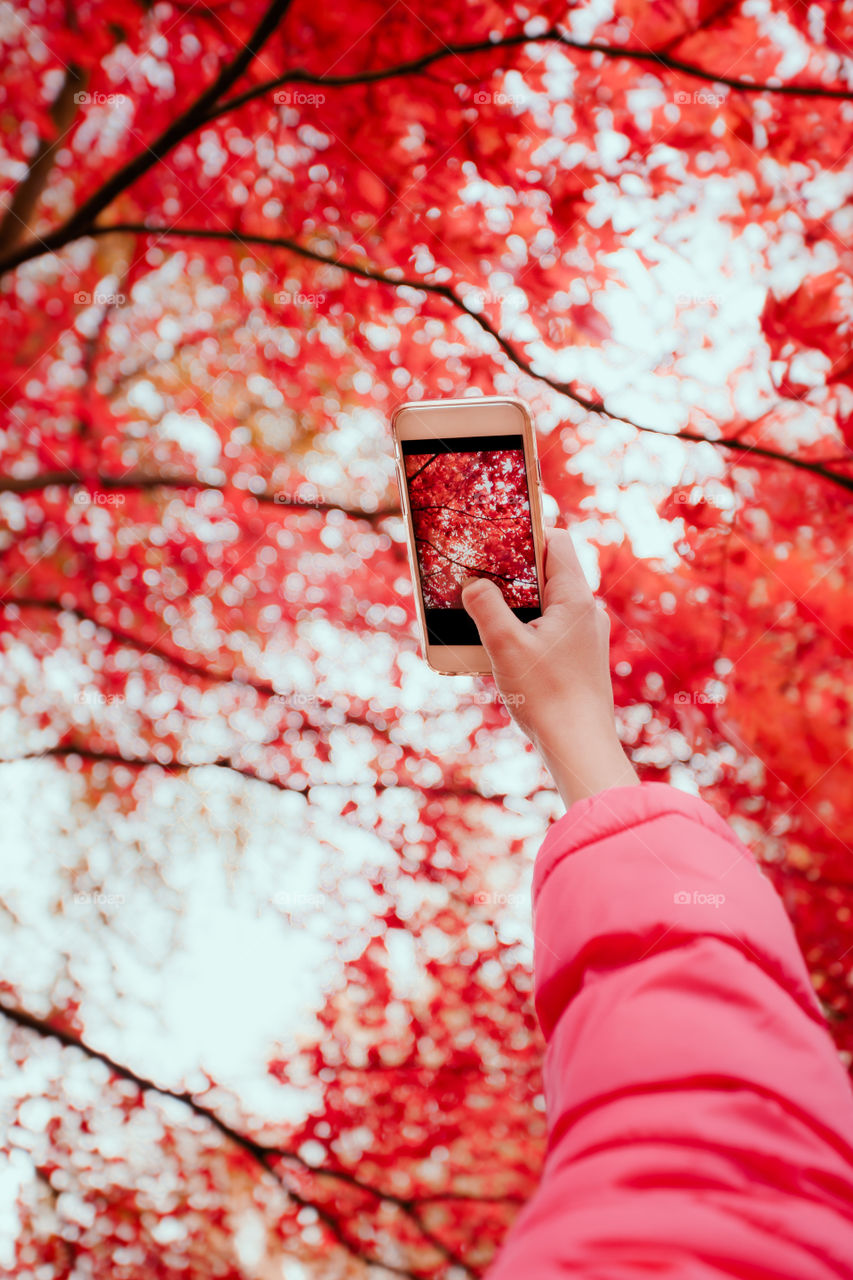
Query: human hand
(554, 673)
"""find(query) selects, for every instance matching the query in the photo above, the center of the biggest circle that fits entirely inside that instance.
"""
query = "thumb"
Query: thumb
(495, 621)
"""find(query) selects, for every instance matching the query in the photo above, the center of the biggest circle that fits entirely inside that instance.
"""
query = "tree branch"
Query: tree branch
(445, 291)
(264, 687)
(16, 219)
(412, 478)
(470, 515)
(224, 762)
(186, 123)
(264, 1154)
(470, 568)
(552, 36)
(205, 109)
(9, 484)
(125, 637)
(596, 406)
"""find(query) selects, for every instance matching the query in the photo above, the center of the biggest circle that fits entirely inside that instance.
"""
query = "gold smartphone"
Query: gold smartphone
(470, 491)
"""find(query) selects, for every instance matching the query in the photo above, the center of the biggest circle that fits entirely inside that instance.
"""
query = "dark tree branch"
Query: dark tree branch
(264, 687)
(471, 568)
(412, 478)
(265, 1154)
(205, 109)
(444, 291)
(16, 218)
(470, 515)
(262, 1154)
(9, 484)
(553, 36)
(186, 123)
(224, 762)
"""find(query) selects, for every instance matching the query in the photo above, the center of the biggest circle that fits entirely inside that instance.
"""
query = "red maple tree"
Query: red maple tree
(235, 237)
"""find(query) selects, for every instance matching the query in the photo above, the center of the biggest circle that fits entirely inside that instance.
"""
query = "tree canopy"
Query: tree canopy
(267, 950)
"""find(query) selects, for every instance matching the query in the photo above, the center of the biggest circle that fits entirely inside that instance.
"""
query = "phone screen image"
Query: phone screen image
(470, 508)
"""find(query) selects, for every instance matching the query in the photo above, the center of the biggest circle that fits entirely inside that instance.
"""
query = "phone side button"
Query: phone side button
(538, 471)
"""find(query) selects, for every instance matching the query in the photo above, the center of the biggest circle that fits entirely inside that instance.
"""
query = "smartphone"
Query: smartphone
(470, 492)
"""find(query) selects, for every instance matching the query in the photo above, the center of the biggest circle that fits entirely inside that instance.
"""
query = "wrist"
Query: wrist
(584, 764)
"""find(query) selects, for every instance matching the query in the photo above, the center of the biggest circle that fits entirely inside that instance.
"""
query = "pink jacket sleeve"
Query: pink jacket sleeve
(700, 1121)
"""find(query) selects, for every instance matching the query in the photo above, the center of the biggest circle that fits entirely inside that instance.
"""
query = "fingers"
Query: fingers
(565, 582)
(500, 630)
(502, 634)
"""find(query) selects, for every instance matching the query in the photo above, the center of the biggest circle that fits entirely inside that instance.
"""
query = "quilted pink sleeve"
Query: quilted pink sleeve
(700, 1120)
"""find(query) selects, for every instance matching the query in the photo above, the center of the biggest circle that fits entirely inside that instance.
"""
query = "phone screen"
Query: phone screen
(470, 507)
